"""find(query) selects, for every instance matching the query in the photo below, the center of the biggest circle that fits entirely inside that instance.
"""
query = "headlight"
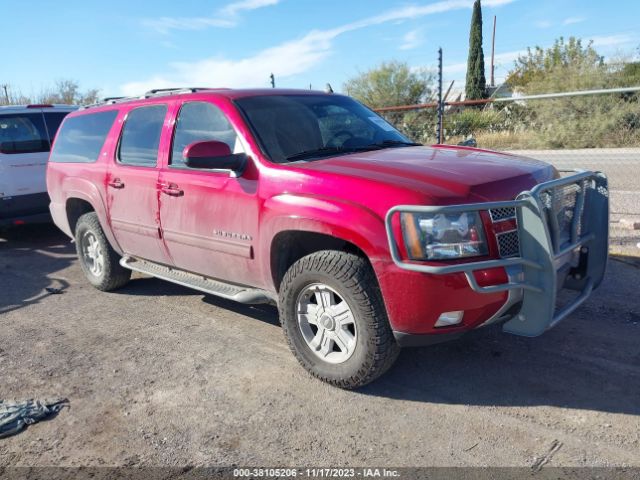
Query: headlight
(429, 236)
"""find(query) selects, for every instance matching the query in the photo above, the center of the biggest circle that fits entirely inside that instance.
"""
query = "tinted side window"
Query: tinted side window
(199, 122)
(53, 121)
(141, 136)
(23, 133)
(81, 138)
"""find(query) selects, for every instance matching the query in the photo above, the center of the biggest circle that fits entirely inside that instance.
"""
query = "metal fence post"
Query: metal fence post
(440, 102)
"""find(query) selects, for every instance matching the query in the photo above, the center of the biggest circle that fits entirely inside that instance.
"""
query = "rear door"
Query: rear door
(209, 218)
(132, 179)
(24, 148)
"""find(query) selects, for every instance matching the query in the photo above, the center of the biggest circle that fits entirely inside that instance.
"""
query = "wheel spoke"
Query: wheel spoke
(307, 308)
(307, 317)
(345, 340)
(340, 344)
(324, 298)
(317, 340)
(327, 346)
(342, 313)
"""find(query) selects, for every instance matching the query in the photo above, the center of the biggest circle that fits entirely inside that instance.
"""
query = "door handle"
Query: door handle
(172, 190)
(116, 183)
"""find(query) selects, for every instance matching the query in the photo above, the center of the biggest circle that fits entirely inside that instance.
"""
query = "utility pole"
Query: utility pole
(440, 102)
(6, 93)
(273, 81)
(493, 53)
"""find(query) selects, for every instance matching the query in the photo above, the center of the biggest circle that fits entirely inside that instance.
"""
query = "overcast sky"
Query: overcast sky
(128, 46)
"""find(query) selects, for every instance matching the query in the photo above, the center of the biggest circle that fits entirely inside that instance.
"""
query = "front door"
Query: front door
(132, 184)
(209, 218)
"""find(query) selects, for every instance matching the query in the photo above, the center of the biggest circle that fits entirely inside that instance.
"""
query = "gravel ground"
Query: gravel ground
(160, 375)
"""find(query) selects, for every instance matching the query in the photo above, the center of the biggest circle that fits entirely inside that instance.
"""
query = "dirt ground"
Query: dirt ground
(157, 374)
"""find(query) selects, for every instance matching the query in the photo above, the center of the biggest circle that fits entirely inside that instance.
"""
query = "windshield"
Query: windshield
(302, 127)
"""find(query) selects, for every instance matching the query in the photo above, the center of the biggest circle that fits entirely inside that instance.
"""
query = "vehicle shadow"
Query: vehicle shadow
(589, 361)
(264, 313)
(154, 287)
(148, 286)
(29, 258)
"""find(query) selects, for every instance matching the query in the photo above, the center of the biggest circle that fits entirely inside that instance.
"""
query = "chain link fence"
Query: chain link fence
(586, 119)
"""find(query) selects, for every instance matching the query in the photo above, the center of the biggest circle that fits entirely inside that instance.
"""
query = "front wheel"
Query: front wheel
(334, 319)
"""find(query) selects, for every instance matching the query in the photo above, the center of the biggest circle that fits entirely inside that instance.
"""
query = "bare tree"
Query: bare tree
(64, 91)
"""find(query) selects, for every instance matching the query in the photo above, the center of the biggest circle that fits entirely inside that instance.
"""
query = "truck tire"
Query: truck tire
(99, 261)
(334, 319)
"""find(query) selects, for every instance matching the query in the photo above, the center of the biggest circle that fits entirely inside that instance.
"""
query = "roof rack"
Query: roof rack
(156, 92)
(107, 101)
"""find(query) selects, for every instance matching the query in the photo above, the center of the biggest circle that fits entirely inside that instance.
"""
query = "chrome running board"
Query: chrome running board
(204, 284)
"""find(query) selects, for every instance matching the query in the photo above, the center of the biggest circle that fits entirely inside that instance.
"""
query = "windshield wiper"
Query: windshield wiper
(395, 143)
(316, 152)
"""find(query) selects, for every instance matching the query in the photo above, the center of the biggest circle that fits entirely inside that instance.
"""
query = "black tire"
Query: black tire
(353, 279)
(112, 275)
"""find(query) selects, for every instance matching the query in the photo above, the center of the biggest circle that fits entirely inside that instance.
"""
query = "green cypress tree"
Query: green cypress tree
(476, 87)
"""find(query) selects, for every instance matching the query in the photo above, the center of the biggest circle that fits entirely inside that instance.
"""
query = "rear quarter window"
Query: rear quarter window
(23, 133)
(81, 138)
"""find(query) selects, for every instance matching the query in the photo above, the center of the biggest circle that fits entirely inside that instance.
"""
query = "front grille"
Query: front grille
(499, 214)
(562, 205)
(508, 244)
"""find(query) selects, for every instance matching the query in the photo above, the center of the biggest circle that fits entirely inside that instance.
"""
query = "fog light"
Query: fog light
(449, 318)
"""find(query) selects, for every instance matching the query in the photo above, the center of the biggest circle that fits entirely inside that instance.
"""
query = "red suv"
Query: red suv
(365, 240)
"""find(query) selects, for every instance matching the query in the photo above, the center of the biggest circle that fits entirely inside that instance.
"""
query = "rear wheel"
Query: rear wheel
(99, 261)
(334, 319)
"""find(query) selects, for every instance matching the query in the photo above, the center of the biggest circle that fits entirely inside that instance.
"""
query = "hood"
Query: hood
(439, 172)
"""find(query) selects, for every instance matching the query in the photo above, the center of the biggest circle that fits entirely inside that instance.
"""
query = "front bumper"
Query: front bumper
(563, 243)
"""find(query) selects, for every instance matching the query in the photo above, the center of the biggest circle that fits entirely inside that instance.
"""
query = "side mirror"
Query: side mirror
(213, 155)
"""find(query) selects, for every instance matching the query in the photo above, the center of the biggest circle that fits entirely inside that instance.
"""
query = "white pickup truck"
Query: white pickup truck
(26, 134)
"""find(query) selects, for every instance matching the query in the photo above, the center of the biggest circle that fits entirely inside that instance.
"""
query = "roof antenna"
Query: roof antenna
(328, 88)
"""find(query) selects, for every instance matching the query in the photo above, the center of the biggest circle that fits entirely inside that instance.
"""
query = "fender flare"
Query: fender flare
(324, 215)
(82, 189)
